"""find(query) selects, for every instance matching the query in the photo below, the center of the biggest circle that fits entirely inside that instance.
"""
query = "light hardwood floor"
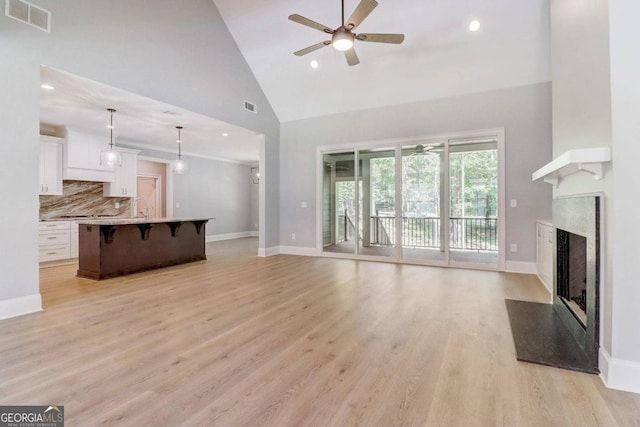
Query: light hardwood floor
(287, 341)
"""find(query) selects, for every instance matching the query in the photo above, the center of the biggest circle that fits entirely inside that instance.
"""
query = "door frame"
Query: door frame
(495, 133)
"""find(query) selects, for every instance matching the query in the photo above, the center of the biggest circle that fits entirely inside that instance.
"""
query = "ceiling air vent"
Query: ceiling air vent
(28, 13)
(250, 106)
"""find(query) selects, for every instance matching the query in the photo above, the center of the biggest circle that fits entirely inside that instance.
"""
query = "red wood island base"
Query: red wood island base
(110, 248)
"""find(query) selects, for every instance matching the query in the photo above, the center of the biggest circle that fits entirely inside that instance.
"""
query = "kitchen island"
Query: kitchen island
(116, 247)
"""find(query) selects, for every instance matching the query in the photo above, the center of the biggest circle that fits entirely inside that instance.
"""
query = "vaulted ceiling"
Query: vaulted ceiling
(439, 58)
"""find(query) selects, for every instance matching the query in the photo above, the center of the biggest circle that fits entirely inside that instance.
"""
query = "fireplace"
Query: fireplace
(572, 273)
(565, 334)
(577, 269)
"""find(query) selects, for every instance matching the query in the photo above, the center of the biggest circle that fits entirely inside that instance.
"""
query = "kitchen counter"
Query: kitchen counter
(136, 220)
(111, 247)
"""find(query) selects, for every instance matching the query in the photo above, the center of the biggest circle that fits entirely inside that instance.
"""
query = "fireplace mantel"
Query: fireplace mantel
(583, 159)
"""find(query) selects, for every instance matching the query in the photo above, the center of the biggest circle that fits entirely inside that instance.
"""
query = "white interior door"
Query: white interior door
(149, 190)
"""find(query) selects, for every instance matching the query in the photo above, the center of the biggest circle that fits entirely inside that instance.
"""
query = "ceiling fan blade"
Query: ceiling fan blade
(381, 38)
(309, 23)
(362, 11)
(312, 48)
(352, 57)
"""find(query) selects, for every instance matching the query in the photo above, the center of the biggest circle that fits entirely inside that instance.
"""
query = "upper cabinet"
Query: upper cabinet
(50, 166)
(125, 183)
(82, 158)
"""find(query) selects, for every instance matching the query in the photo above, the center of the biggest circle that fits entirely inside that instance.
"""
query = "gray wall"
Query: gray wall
(211, 188)
(254, 207)
(525, 113)
(217, 189)
(180, 53)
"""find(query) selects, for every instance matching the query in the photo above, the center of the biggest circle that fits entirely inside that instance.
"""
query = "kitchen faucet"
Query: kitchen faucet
(146, 210)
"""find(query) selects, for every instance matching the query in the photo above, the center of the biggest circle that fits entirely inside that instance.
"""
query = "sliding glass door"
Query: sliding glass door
(338, 203)
(422, 195)
(473, 202)
(377, 202)
(433, 201)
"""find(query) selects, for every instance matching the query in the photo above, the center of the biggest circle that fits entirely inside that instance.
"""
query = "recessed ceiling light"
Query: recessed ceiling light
(314, 64)
(47, 86)
(474, 25)
(225, 134)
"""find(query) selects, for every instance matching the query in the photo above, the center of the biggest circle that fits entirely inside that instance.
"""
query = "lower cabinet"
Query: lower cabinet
(58, 240)
(545, 245)
(54, 240)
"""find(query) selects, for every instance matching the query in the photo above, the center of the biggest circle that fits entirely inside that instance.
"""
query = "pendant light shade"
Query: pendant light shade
(111, 157)
(179, 166)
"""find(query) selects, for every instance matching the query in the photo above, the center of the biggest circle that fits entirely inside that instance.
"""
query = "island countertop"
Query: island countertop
(138, 220)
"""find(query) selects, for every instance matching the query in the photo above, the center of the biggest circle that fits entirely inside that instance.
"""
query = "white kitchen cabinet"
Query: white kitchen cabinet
(54, 240)
(81, 159)
(545, 246)
(125, 183)
(50, 168)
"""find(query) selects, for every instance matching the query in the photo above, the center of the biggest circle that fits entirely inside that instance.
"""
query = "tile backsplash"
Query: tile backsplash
(82, 198)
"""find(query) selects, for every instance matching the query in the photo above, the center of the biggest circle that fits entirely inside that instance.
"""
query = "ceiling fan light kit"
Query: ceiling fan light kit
(342, 40)
(344, 37)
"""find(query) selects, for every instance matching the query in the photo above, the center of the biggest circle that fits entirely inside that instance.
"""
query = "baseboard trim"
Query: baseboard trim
(19, 306)
(547, 286)
(619, 374)
(230, 236)
(521, 267)
(265, 252)
(298, 250)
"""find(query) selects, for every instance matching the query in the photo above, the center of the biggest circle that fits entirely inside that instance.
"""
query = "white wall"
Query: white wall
(625, 108)
(596, 96)
(180, 53)
(525, 112)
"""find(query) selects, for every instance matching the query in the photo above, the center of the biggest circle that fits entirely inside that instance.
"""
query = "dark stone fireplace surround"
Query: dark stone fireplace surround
(551, 334)
(580, 216)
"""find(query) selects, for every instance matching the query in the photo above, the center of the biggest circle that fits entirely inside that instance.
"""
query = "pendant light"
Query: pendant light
(111, 157)
(179, 166)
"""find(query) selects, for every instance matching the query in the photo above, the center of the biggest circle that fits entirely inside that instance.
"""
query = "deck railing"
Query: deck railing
(466, 233)
(346, 228)
(480, 234)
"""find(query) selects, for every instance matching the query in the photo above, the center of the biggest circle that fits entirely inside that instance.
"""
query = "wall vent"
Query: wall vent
(250, 106)
(28, 13)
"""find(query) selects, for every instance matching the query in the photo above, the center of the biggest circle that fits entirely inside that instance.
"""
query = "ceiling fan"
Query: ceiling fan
(420, 150)
(343, 37)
